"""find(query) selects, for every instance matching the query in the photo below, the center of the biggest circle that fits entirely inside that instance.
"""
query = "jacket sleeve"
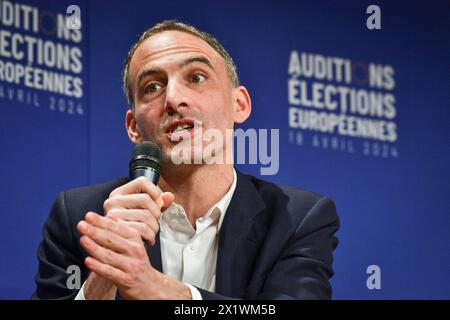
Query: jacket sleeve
(304, 266)
(56, 253)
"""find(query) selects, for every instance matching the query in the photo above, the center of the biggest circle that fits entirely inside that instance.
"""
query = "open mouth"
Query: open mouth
(179, 129)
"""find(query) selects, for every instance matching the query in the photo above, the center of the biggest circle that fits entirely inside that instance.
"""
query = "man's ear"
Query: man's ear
(242, 104)
(132, 129)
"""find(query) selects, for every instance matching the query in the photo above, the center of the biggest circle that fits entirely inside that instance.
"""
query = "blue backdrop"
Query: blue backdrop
(391, 195)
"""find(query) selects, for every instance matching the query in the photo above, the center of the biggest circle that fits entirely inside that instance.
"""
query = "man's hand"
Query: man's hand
(117, 253)
(139, 203)
(99, 288)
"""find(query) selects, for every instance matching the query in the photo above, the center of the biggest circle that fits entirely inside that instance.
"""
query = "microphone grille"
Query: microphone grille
(146, 154)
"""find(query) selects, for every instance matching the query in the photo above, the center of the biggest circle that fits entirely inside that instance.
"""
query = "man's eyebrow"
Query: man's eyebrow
(198, 59)
(146, 73)
(153, 71)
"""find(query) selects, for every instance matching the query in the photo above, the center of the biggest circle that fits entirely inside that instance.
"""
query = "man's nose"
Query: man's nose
(176, 97)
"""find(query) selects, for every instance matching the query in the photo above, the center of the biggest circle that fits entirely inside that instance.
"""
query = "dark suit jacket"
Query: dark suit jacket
(275, 242)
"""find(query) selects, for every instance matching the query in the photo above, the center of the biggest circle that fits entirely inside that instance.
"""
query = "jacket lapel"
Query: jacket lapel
(238, 242)
(154, 254)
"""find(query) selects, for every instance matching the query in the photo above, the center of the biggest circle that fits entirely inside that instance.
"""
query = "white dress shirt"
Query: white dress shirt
(189, 254)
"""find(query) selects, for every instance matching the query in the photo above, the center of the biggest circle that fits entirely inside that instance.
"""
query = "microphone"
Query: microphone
(146, 161)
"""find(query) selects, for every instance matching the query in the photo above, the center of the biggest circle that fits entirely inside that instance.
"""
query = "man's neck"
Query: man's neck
(197, 188)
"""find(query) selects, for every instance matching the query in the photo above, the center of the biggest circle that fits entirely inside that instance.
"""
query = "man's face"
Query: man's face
(179, 81)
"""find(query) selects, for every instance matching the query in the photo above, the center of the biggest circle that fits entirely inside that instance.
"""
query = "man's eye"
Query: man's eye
(152, 88)
(197, 78)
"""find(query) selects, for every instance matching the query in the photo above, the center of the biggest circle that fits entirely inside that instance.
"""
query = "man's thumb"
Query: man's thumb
(168, 198)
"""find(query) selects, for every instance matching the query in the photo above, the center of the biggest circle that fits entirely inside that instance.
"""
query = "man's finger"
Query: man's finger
(148, 234)
(103, 237)
(132, 201)
(109, 224)
(102, 254)
(139, 185)
(141, 220)
(105, 270)
(137, 215)
(168, 199)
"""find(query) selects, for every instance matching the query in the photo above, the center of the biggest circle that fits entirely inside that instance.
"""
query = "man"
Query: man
(213, 233)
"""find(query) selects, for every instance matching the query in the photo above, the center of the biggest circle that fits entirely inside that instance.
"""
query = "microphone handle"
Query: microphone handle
(150, 173)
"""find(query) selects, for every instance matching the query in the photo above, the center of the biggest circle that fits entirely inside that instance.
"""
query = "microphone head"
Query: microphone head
(146, 154)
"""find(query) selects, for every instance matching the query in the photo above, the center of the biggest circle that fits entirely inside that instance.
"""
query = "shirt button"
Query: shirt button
(191, 247)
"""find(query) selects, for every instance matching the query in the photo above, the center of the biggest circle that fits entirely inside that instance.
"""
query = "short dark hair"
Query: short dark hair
(174, 25)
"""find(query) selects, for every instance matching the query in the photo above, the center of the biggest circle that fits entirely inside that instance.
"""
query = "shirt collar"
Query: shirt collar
(221, 206)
